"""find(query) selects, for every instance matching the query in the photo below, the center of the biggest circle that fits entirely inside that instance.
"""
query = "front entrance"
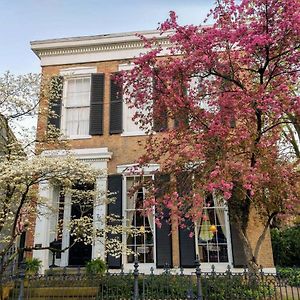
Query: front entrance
(80, 253)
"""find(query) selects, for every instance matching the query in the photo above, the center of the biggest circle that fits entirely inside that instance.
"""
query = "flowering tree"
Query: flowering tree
(230, 91)
(22, 171)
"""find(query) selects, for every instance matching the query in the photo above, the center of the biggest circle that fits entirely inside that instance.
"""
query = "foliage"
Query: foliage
(291, 274)
(27, 176)
(95, 267)
(286, 246)
(229, 89)
(32, 265)
(180, 287)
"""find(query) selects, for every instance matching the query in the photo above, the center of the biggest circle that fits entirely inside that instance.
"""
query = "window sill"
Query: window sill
(133, 133)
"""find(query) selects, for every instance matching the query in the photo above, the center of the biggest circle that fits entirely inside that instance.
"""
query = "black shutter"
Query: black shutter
(116, 107)
(55, 101)
(163, 233)
(187, 247)
(160, 114)
(115, 208)
(181, 119)
(238, 251)
(96, 109)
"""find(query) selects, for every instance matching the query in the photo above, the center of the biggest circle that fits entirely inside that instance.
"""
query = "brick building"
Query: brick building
(99, 127)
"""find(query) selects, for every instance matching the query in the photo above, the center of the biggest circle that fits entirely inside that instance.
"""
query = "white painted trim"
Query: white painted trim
(73, 73)
(66, 232)
(126, 66)
(228, 239)
(77, 71)
(94, 56)
(105, 42)
(126, 169)
(81, 154)
(133, 133)
(77, 137)
(143, 267)
(111, 38)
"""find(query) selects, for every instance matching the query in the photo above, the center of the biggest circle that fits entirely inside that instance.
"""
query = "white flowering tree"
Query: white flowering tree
(22, 171)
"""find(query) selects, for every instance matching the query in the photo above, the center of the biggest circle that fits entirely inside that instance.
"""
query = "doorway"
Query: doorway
(80, 253)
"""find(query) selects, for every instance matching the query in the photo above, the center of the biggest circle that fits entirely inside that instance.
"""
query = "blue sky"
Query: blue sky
(22, 21)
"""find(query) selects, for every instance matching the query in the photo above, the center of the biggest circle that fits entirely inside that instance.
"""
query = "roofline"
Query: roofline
(41, 47)
(95, 37)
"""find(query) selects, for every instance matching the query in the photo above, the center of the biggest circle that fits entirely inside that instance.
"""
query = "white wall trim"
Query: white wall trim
(132, 169)
(81, 154)
(77, 71)
(97, 48)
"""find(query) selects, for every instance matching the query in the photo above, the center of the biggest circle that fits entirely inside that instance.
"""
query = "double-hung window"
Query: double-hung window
(212, 232)
(142, 243)
(76, 102)
(77, 106)
(132, 115)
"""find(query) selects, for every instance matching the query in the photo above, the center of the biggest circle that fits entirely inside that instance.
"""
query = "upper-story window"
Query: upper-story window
(76, 106)
(76, 101)
(131, 127)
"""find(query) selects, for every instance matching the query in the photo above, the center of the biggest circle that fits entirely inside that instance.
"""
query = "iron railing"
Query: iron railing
(170, 284)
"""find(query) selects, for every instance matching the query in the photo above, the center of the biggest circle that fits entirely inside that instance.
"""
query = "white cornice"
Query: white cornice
(94, 48)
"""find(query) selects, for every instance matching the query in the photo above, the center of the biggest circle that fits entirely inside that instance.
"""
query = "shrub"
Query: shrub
(286, 246)
(292, 275)
(32, 265)
(95, 267)
(166, 286)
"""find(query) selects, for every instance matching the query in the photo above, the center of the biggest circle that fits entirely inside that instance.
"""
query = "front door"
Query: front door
(79, 253)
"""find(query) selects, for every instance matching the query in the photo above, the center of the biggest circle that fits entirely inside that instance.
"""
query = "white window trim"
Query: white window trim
(208, 265)
(147, 171)
(71, 73)
(144, 267)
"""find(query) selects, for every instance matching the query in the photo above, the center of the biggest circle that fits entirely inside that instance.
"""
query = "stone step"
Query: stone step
(67, 270)
(62, 292)
(59, 293)
(62, 298)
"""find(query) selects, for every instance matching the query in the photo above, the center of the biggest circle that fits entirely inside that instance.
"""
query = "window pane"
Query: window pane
(77, 121)
(211, 233)
(142, 243)
(78, 92)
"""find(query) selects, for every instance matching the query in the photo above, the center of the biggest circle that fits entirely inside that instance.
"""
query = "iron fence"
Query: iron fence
(170, 284)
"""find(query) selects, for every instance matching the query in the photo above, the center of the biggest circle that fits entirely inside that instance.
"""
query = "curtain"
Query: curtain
(220, 211)
(77, 122)
(77, 106)
(150, 215)
(131, 202)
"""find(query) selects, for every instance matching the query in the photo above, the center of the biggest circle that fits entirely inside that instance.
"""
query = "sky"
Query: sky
(22, 21)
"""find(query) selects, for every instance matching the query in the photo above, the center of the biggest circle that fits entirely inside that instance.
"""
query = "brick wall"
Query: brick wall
(127, 149)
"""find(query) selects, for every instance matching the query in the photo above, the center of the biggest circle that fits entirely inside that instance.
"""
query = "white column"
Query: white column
(66, 232)
(99, 216)
(42, 226)
(97, 158)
